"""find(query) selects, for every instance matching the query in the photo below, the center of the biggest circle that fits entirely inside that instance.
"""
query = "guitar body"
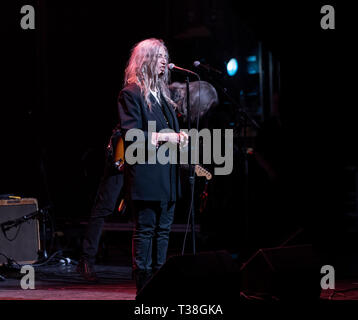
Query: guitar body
(119, 154)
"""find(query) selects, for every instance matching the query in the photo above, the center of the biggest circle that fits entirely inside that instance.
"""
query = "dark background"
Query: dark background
(59, 105)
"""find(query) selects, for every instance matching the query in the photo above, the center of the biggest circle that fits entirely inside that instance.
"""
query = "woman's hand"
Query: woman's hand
(171, 137)
(183, 139)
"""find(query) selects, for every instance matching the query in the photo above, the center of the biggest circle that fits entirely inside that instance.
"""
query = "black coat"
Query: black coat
(156, 182)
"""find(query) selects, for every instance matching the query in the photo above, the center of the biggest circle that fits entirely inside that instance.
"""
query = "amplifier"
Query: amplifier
(22, 242)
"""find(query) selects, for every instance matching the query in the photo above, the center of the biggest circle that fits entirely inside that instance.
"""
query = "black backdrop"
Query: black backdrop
(60, 84)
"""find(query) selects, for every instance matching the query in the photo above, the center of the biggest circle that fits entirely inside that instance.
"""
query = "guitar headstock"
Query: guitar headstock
(201, 172)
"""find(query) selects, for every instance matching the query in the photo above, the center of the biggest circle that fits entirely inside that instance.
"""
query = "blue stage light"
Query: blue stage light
(252, 65)
(232, 67)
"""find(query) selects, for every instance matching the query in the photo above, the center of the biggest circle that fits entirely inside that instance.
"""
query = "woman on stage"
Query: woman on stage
(151, 189)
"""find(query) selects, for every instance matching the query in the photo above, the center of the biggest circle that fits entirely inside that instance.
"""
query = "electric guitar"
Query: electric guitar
(200, 172)
(119, 161)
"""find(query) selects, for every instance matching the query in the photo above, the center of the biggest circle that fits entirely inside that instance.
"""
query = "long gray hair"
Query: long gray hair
(141, 69)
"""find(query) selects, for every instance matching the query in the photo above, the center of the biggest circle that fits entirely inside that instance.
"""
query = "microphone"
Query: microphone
(5, 226)
(173, 67)
(206, 67)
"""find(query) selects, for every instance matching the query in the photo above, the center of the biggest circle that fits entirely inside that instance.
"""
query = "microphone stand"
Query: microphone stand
(191, 169)
(43, 253)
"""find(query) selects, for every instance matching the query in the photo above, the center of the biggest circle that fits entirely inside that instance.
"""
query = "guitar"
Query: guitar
(119, 161)
(199, 171)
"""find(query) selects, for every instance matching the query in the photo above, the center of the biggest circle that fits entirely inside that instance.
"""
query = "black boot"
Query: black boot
(141, 278)
(85, 268)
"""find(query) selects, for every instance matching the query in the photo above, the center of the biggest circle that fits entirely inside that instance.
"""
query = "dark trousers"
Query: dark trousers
(105, 203)
(153, 220)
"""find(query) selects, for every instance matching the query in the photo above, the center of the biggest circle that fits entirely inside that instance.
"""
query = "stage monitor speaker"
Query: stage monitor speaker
(205, 277)
(283, 273)
(20, 243)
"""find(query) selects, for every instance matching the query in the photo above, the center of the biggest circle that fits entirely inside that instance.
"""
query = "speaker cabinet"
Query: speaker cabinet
(20, 243)
(204, 277)
(285, 273)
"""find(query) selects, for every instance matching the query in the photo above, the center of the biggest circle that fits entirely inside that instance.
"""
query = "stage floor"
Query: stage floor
(115, 283)
(64, 283)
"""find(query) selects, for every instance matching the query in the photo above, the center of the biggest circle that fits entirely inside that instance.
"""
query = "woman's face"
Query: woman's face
(162, 61)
